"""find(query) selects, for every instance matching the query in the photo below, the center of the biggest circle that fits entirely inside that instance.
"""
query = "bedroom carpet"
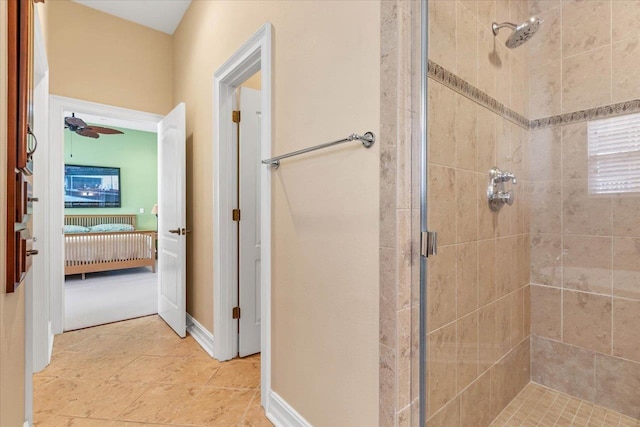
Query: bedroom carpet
(109, 296)
(140, 373)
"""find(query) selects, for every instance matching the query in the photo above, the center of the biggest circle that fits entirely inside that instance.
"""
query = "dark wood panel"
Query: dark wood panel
(20, 27)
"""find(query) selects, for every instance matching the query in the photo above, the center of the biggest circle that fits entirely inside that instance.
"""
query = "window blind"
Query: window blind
(614, 155)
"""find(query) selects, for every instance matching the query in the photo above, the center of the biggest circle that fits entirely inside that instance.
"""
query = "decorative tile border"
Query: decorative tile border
(457, 84)
(612, 110)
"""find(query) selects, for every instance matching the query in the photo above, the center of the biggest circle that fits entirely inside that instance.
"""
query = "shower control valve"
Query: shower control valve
(497, 195)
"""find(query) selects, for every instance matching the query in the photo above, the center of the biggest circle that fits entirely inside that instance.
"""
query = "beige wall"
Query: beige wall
(325, 205)
(98, 57)
(477, 285)
(11, 305)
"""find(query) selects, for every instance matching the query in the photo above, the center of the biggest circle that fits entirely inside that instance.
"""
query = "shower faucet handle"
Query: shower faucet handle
(508, 176)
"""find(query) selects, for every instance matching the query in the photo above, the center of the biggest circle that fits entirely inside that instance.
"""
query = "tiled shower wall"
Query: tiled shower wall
(585, 256)
(477, 286)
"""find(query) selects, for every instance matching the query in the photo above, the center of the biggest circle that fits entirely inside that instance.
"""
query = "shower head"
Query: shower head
(521, 33)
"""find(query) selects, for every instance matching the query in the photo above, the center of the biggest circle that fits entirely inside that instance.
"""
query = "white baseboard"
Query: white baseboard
(200, 334)
(281, 414)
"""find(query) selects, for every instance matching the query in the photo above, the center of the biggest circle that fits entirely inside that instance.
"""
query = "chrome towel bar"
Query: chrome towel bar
(368, 139)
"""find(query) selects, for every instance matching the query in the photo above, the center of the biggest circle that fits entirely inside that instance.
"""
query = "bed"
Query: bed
(90, 252)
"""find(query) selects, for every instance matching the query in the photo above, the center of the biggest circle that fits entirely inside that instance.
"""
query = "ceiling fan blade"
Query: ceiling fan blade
(75, 121)
(87, 132)
(106, 131)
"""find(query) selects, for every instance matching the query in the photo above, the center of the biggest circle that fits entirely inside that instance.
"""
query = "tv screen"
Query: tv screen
(91, 187)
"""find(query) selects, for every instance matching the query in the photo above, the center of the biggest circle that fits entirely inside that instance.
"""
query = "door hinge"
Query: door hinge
(236, 313)
(428, 243)
(236, 116)
(236, 215)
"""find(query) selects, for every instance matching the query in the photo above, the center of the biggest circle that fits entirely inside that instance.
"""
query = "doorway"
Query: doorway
(111, 188)
(253, 57)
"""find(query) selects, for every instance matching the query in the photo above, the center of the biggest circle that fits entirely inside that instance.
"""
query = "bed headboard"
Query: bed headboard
(91, 220)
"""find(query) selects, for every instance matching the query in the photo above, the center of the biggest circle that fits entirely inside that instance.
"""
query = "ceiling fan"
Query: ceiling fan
(77, 125)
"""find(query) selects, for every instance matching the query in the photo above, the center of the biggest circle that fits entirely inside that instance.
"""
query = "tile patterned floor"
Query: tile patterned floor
(139, 373)
(539, 406)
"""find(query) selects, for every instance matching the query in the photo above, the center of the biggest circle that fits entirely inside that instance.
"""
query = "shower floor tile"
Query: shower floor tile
(540, 406)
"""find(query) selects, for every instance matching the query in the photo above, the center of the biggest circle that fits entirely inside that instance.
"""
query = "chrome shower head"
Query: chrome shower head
(521, 33)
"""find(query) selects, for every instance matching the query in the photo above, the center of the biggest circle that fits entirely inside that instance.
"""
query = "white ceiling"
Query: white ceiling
(161, 15)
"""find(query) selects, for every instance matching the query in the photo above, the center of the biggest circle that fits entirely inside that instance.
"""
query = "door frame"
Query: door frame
(253, 56)
(54, 200)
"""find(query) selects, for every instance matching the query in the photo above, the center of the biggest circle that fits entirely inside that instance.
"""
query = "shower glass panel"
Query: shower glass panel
(529, 312)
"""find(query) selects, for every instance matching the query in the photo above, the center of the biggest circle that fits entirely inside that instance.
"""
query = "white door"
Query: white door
(172, 295)
(249, 292)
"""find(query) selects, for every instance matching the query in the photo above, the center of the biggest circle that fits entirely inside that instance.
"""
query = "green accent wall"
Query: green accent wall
(136, 154)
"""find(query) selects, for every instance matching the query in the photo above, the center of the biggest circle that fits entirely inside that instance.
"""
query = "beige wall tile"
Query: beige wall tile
(546, 46)
(467, 350)
(506, 265)
(486, 140)
(539, 6)
(487, 346)
(546, 259)
(442, 120)
(487, 61)
(545, 207)
(587, 264)
(617, 385)
(563, 367)
(501, 61)
(441, 276)
(626, 267)
(471, 6)
(466, 45)
(442, 203)
(586, 25)
(486, 271)
(626, 339)
(449, 416)
(626, 82)
(527, 310)
(486, 13)
(586, 79)
(583, 213)
(575, 153)
(517, 317)
(544, 90)
(487, 219)
(442, 367)
(467, 279)
(587, 321)
(475, 403)
(546, 312)
(625, 218)
(626, 19)
(466, 206)
(502, 15)
(519, 87)
(388, 390)
(442, 33)
(466, 133)
(545, 149)
(503, 327)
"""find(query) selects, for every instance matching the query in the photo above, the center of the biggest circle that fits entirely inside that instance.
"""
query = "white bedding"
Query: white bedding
(105, 247)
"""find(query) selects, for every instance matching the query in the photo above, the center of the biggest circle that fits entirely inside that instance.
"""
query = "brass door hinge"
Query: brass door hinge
(236, 215)
(236, 116)
(236, 313)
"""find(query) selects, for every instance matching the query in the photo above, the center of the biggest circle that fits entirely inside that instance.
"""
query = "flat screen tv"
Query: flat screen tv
(91, 187)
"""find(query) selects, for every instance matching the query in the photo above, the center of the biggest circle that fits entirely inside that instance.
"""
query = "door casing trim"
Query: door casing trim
(253, 56)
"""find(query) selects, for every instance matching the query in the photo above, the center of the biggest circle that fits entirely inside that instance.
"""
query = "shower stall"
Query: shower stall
(514, 186)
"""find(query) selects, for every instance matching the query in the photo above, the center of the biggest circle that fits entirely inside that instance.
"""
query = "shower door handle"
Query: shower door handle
(428, 243)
